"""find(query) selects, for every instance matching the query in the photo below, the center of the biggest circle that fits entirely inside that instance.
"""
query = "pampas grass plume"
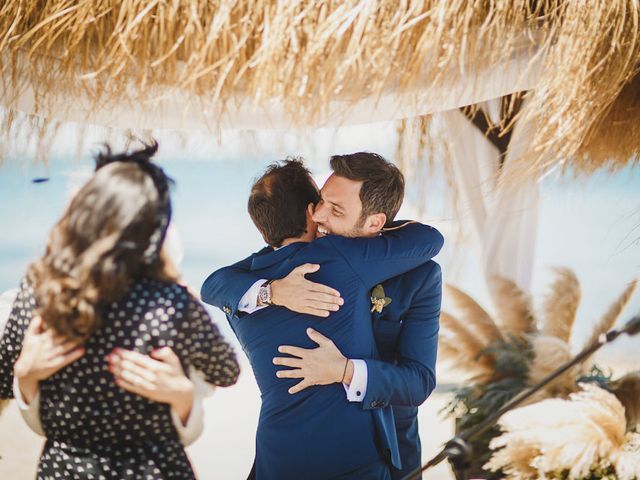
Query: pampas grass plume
(514, 310)
(613, 313)
(561, 305)
(549, 354)
(474, 315)
(554, 435)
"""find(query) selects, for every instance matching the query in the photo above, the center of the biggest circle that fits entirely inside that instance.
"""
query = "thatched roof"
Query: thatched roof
(306, 55)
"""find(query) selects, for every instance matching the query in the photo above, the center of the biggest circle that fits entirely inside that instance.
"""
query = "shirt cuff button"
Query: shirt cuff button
(358, 393)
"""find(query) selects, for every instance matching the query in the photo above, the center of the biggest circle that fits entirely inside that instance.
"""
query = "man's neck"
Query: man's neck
(289, 241)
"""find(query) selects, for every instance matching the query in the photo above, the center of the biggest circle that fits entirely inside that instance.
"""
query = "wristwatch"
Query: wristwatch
(264, 294)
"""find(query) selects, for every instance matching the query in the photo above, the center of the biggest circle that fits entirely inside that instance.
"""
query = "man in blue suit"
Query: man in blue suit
(403, 373)
(317, 433)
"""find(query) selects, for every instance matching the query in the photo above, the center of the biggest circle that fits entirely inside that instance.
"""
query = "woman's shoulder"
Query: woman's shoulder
(169, 290)
(25, 293)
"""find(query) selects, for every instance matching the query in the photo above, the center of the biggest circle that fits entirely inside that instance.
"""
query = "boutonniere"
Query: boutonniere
(378, 299)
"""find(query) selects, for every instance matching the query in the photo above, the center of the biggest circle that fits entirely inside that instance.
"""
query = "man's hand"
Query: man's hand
(158, 377)
(316, 366)
(43, 354)
(304, 296)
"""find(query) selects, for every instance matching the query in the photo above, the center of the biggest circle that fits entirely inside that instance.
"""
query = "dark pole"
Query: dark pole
(458, 450)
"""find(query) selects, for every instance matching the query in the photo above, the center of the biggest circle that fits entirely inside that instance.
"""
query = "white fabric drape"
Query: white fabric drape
(504, 217)
(509, 236)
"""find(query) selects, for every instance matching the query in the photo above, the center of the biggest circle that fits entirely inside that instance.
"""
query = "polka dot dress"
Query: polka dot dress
(96, 430)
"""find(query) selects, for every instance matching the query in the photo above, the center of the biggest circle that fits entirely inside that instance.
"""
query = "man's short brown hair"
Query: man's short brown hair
(382, 188)
(279, 199)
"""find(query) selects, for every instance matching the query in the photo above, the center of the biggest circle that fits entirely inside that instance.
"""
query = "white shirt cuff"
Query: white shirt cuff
(358, 387)
(190, 431)
(30, 413)
(22, 404)
(248, 302)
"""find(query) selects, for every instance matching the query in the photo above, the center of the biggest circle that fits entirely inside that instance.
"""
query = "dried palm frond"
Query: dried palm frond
(521, 360)
(558, 435)
(627, 389)
(561, 305)
(474, 315)
(307, 54)
(513, 306)
(461, 360)
(423, 153)
(465, 339)
(549, 354)
(598, 72)
(611, 316)
(616, 132)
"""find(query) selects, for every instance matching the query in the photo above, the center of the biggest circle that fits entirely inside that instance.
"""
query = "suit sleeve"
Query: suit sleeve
(391, 254)
(412, 378)
(226, 286)
(11, 342)
(210, 353)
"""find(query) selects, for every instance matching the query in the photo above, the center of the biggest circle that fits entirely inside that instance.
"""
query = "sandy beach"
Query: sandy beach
(226, 448)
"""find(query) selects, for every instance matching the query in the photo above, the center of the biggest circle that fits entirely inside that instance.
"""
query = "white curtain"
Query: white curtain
(504, 216)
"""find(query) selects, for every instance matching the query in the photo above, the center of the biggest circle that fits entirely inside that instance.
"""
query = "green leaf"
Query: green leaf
(387, 301)
(378, 291)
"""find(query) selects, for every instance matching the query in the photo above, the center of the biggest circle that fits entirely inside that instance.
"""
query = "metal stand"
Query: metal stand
(458, 450)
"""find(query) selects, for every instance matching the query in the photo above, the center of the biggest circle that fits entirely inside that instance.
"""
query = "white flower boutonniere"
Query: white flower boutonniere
(378, 299)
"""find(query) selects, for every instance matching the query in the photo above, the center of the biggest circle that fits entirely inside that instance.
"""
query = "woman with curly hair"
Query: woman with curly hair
(103, 284)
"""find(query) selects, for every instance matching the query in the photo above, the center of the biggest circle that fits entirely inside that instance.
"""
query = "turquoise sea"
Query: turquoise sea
(591, 225)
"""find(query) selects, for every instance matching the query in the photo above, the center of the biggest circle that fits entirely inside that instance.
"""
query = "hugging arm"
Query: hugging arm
(210, 353)
(189, 429)
(413, 378)
(393, 253)
(235, 288)
(11, 342)
(29, 354)
(226, 286)
(160, 378)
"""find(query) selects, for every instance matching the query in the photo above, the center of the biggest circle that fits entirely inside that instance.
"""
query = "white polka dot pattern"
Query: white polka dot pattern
(94, 428)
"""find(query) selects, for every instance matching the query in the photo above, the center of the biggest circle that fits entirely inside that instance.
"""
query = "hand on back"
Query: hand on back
(322, 365)
(43, 353)
(300, 295)
(158, 377)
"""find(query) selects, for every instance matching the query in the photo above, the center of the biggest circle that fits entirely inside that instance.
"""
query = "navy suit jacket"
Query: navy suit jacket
(406, 334)
(317, 433)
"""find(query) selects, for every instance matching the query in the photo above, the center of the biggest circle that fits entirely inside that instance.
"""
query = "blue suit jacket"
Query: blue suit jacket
(406, 334)
(317, 433)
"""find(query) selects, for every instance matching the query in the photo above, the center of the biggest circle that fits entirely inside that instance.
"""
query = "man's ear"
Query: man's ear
(375, 223)
(310, 222)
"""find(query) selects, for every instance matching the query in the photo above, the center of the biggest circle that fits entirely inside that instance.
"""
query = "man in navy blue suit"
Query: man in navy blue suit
(403, 373)
(317, 433)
